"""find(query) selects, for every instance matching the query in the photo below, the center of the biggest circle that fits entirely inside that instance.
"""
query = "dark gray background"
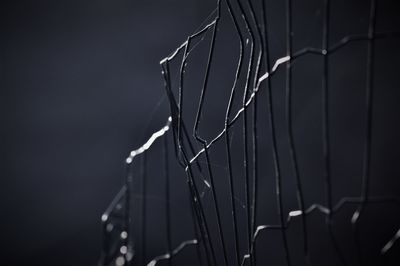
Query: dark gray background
(80, 81)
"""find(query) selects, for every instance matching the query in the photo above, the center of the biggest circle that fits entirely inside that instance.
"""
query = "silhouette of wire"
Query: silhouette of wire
(253, 65)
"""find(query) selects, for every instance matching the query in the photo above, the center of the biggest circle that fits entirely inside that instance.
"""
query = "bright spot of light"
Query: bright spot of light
(124, 234)
(120, 261)
(295, 213)
(123, 250)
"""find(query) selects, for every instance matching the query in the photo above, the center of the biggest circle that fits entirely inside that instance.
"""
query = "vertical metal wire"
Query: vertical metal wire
(167, 201)
(143, 175)
(368, 129)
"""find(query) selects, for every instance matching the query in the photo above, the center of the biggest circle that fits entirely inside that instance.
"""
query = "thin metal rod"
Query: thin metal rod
(325, 130)
(226, 132)
(202, 141)
(144, 205)
(368, 130)
(288, 112)
(167, 201)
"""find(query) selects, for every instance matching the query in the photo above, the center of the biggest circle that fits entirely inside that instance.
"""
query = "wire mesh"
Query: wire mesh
(227, 170)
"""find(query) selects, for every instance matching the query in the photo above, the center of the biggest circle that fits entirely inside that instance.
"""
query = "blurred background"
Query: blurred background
(79, 82)
(81, 86)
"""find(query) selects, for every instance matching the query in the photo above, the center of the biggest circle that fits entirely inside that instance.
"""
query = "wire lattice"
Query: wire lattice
(255, 70)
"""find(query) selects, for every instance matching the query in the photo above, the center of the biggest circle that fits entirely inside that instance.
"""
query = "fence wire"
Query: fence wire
(218, 237)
